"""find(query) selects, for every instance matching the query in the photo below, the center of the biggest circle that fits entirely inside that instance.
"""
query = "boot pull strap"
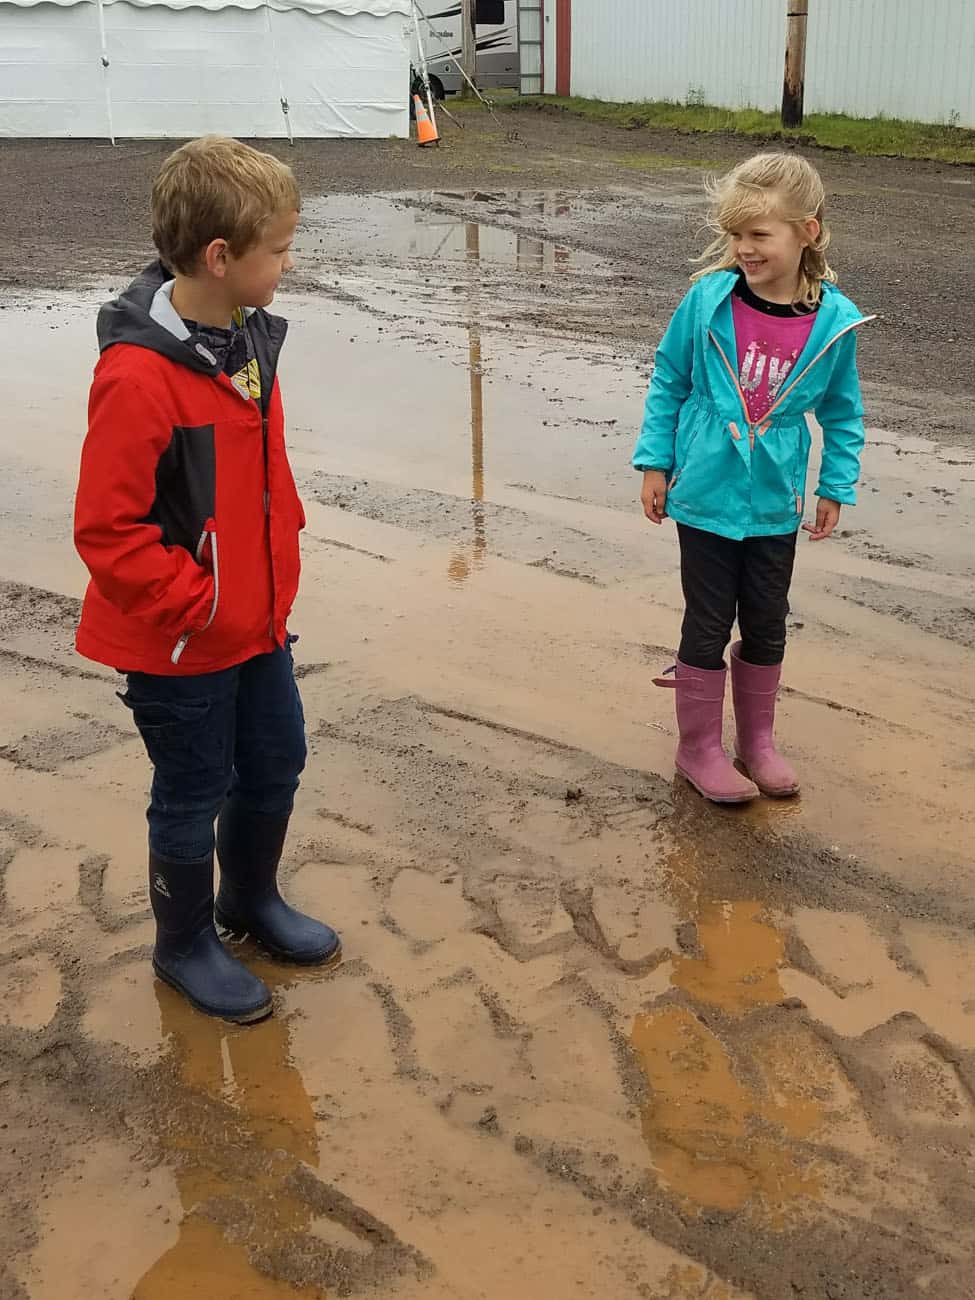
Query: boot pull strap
(665, 679)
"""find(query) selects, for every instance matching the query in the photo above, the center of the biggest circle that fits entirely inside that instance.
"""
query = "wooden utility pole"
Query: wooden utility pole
(797, 12)
(468, 37)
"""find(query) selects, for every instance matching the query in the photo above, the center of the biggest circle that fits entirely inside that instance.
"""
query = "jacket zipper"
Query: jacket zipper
(268, 373)
(267, 488)
(267, 516)
(210, 532)
(265, 423)
(760, 428)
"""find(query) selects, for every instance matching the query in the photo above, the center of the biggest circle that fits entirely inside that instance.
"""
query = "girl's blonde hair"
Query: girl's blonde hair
(780, 185)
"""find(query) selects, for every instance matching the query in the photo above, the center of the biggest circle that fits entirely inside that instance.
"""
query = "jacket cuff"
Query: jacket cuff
(845, 496)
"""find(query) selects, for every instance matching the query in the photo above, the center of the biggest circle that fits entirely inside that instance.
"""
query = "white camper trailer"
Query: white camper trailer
(497, 44)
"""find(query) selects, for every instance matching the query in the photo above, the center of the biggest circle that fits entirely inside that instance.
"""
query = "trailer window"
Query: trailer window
(490, 11)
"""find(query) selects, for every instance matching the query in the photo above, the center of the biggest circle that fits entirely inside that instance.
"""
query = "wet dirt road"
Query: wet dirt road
(591, 1036)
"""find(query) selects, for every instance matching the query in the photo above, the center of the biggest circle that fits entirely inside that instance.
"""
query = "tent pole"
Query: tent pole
(460, 68)
(105, 74)
(285, 107)
(423, 64)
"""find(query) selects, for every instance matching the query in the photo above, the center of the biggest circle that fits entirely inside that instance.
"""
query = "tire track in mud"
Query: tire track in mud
(951, 620)
(878, 1282)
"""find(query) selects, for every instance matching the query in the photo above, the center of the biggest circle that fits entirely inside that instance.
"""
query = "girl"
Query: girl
(762, 336)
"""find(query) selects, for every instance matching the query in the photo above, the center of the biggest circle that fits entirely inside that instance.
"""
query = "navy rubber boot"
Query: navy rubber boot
(188, 952)
(249, 846)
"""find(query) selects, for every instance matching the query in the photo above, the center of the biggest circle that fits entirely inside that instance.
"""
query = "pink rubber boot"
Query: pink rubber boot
(701, 760)
(754, 689)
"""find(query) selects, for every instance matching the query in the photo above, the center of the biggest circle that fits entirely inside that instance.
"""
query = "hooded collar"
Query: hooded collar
(836, 313)
(145, 317)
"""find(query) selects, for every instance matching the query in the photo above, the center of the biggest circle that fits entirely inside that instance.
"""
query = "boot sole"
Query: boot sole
(769, 794)
(717, 798)
(326, 960)
(323, 963)
(245, 1018)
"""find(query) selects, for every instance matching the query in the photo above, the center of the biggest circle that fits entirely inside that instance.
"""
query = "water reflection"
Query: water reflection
(388, 226)
(729, 1111)
(472, 556)
(245, 1123)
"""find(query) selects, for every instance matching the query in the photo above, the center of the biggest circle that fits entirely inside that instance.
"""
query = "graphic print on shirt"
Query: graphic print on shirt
(760, 360)
(244, 372)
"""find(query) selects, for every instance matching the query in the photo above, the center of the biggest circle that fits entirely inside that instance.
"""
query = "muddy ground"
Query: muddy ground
(591, 1036)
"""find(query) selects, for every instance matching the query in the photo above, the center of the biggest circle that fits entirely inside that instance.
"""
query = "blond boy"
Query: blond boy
(187, 518)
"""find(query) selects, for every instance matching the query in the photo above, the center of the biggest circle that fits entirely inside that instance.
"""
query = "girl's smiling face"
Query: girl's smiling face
(769, 251)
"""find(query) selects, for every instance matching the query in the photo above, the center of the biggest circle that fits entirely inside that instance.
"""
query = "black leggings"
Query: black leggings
(722, 578)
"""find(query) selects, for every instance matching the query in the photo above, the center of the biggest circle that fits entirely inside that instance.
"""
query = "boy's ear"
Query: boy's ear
(813, 229)
(215, 257)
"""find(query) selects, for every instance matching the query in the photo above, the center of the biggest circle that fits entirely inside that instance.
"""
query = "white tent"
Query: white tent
(180, 68)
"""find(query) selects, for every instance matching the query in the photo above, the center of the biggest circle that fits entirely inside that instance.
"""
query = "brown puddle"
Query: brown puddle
(262, 1107)
(395, 226)
(742, 955)
(204, 1265)
(721, 1138)
(716, 1142)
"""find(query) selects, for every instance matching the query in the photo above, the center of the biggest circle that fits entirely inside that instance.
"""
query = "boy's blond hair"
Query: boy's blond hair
(780, 185)
(216, 188)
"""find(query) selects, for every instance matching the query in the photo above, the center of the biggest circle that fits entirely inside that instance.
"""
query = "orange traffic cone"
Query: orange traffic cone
(426, 132)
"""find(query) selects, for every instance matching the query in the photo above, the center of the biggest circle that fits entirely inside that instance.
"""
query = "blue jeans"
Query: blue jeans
(241, 731)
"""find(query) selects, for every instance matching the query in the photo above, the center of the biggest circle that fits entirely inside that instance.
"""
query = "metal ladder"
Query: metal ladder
(531, 46)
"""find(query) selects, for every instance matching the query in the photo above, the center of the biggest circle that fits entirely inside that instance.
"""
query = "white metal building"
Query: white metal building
(178, 68)
(902, 58)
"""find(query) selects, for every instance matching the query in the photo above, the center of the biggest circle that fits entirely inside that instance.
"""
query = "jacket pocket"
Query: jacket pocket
(683, 455)
(778, 462)
(690, 423)
(181, 737)
(709, 483)
(207, 555)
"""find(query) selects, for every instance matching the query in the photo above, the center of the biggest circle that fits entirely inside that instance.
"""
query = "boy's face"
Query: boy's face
(252, 279)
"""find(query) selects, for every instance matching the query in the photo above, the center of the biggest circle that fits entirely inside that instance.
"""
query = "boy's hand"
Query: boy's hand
(827, 517)
(653, 494)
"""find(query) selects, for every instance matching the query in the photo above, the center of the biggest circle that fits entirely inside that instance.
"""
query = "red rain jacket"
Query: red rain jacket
(186, 516)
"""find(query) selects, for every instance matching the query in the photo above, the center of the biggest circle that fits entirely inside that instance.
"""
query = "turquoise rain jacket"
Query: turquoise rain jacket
(727, 475)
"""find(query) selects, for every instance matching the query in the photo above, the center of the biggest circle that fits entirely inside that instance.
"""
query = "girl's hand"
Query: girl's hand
(653, 495)
(827, 517)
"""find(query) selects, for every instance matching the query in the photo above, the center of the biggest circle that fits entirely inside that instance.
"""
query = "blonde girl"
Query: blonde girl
(762, 337)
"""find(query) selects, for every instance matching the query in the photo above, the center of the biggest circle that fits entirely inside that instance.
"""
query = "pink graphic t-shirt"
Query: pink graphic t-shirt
(769, 339)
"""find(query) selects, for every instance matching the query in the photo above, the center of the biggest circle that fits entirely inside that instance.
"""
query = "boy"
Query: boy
(187, 518)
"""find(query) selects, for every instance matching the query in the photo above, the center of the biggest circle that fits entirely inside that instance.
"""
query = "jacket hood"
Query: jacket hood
(144, 316)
